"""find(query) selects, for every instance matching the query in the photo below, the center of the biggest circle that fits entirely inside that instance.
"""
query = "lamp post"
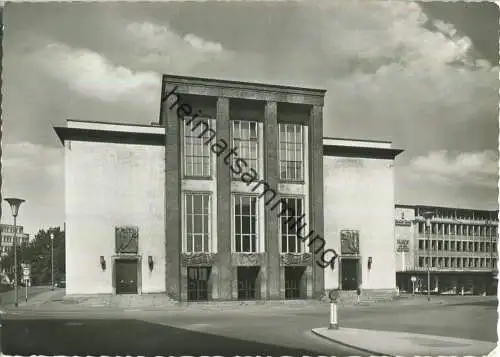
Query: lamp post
(14, 205)
(428, 215)
(52, 257)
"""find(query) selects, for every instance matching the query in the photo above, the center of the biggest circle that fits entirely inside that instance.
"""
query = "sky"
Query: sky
(423, 75)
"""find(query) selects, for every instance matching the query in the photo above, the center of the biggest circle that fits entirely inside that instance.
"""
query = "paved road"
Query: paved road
(280, 331)
(7, 297)
(134, 337)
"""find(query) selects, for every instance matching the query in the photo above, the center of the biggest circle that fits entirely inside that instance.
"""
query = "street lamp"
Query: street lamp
(14, 205)
(52, 256)
(428, 215)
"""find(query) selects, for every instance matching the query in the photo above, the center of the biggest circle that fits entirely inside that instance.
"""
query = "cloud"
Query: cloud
(202, 45)
(36, 174)
(26, 157)
(92, 75)
(442, 167)
(160, 47)
(392, 32)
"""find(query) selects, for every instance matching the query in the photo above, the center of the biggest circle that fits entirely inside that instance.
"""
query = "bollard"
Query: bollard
(333, 316)
(1, 325)
(333, 295)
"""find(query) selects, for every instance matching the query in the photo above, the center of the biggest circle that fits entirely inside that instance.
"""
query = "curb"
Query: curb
(371, 353)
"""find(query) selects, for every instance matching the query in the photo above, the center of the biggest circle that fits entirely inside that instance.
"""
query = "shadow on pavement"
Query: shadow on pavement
(124, 337)
(487, 303)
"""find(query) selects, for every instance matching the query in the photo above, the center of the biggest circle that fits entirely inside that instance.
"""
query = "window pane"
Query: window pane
(246, 243)
(198, 247)
(245, 209)
(197, 222)
(245, 139)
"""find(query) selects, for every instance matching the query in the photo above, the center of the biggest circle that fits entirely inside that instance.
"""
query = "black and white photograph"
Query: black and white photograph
(249, 178)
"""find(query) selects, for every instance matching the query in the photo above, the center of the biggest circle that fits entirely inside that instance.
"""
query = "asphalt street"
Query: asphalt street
(280, 331)
(132, 337)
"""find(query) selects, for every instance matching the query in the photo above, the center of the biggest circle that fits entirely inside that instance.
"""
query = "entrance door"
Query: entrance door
(294, 284)
(198, 278)
(126, 276)
(248, 286)
(350, 273)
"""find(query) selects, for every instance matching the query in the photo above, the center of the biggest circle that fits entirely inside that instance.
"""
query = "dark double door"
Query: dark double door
(350, 273)
(126, 276)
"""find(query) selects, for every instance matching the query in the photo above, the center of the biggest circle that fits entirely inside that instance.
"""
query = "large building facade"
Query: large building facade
(7, 238)
(224, 199)
(457, 246)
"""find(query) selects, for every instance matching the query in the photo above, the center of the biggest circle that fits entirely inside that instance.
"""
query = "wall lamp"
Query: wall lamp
(150, 263)
(103, 263)
(370, 261)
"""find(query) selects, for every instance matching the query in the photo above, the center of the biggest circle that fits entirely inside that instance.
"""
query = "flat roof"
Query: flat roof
(397, 205)
(231, 83)
(109, 126)
(357, 143)
(153, 134)
(107, 132)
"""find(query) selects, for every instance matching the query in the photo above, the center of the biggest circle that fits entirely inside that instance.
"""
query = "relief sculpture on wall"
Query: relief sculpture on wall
(296, 259)
(349, 242)
(246, 259)
(203, 259)
(127, 240)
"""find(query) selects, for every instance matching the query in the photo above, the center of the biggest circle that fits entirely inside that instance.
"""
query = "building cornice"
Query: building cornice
(242, 90)
(109, 136)
(213, 82)
(361, 152)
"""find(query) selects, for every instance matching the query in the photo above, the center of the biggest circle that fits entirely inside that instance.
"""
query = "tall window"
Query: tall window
(290, 241)
(197, 155)
(197, 222)
(245, 137)
(291, 140)
(245, 223)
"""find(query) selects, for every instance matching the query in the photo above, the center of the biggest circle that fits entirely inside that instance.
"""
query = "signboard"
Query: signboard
(403, 222)
(349, 242)
(413, 278)
(26, 271)
(402, 245)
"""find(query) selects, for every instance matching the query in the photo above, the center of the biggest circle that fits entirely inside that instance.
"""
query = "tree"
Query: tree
(38, 254)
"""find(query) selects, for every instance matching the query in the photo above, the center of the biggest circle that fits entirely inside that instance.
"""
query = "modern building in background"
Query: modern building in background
(171, 207)
(7, 244)
(7, 238)
(459, 248)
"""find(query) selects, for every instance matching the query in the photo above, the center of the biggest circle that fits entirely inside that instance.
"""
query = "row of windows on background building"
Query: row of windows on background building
(457, 262)
(10, 229)
(458, 214)
(245, 218)
(458, 246)
(245, 137)
(458, 229)
(10, 240)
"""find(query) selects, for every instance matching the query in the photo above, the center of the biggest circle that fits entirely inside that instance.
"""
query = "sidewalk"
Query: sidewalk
(155, 302)
(34, 301)
(387, 343)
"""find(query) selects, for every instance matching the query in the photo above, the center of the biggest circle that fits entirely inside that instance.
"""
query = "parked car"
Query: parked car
(60, 284)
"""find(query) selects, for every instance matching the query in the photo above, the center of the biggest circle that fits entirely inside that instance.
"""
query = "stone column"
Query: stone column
(173, 214)
(271, 170)
(224, 214)
(316, 194)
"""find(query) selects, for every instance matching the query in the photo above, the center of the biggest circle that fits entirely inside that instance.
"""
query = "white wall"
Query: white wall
(359, 195)
(108, 185)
